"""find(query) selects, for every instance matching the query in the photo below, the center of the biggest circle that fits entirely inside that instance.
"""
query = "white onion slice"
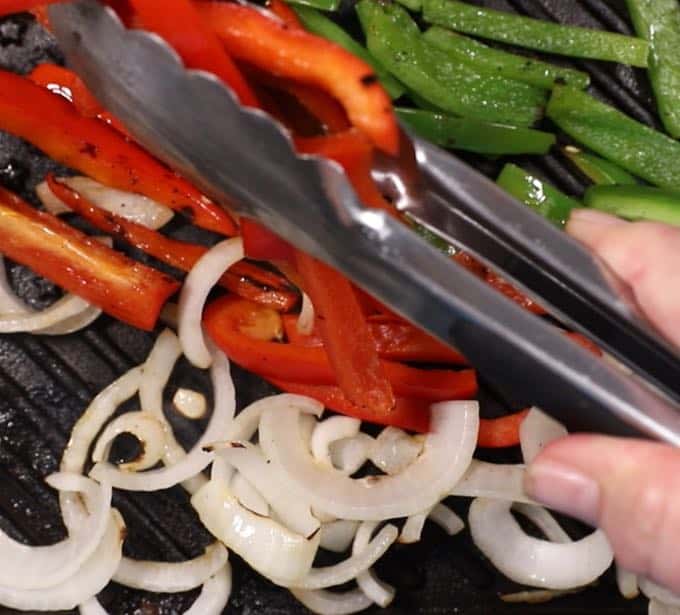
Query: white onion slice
(395, 450)
(380, 593)
(536, 431)
(534, 562)
(360, 561)
(305, 320)
(657, 607)
(68, 308)
(544, 521)
(448, 520)
(190, 404)
(197, 285)
(247, 495)
(214, 596)
(627, 583)
(656, 592)
(493, 480)
(88, 580)
(350, 454)
(268, 478)
(128, 205)
(84, 432)
(413, 527)
(331, 430)
(197, 459)
(333, 603)
(446, 455)
(9, 302)
(91, 606)
(28, 567)
(171, 576)
(337, 536)
(271, 549)
(145, 427)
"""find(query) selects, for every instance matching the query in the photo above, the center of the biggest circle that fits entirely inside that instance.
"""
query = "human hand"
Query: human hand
(629, 488)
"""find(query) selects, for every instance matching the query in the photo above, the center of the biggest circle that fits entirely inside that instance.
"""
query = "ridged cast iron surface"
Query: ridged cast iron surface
(45, 383)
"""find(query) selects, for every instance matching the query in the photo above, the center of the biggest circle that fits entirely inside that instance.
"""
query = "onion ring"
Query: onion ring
(380, 593)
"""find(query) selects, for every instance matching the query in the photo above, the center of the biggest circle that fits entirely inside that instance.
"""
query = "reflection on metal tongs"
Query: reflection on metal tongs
(242, 157)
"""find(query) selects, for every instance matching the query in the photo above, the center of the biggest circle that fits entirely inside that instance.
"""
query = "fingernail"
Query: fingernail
(564, 489)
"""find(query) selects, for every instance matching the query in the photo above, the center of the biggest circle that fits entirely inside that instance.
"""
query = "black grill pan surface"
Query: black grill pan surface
(46, 383)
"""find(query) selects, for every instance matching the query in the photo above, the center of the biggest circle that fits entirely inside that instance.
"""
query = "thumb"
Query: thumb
(629, 488)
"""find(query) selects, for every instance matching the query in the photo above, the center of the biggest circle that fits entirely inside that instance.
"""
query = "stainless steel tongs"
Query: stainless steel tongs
(244, 158)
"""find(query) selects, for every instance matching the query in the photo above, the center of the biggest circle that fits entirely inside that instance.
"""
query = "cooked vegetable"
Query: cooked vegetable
(598, 170)
(636, 202)
(474, 135)
(319, 24)
(537, 194)
(123, 288)
(179, 254)
(180, 24)
(53, 125)
(322, 5)
(261, 244)
(536, 34)
(658, 21)
(393, 37)
(501, 432)
(635, 147)
(512, 66)
(267, 44)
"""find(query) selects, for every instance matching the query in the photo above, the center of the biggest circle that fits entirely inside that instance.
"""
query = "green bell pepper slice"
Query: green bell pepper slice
(636, 202)
(598, 170)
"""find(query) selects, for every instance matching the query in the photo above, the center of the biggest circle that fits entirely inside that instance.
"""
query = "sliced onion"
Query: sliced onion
(413, 527)
(337, 536)
(197, 459)
(271, 549)
(534, 562)
(268, 478)
(448, 520)
(544, 521)
(91, 606)
(656, 592)
(84, 432)
(27, 567)
(214, 596)
(247, 495)
(307, 425)
(9, 302)
(332, 603)
(128, 205)
(88, 580)
(145, 427)
(536, 431)
(197, 285)
(493, 480)
(380, 593)
(446, 455)
(171, 576)
(627, 583)
(395, 450)
(360, 561)
(331, 430)
(659, 608)
(68, 308)
(305, 321)
(190, 404)
(350, 454)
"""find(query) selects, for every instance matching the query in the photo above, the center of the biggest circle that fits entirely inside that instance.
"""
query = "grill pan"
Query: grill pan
(46, 383)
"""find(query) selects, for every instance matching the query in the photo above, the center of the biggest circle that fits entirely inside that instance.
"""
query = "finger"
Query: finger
(629, 488)
(644, 255)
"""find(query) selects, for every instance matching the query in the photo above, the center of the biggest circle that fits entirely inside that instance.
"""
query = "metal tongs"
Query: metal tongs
(242, 157)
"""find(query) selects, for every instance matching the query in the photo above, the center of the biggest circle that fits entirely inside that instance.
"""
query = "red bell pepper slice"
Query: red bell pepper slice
(224, 318)
(347, 338)
(412, 414)
(66, 83)
(395, 340)
(179, 23)
(286, 14)
(295, 54)
(123, 288)
(261, 244)
(53, 125)
(501, 432)
(179, 254)
(323, 107)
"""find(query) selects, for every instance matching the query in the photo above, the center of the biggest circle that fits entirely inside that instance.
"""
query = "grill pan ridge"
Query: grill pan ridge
(45, 384)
